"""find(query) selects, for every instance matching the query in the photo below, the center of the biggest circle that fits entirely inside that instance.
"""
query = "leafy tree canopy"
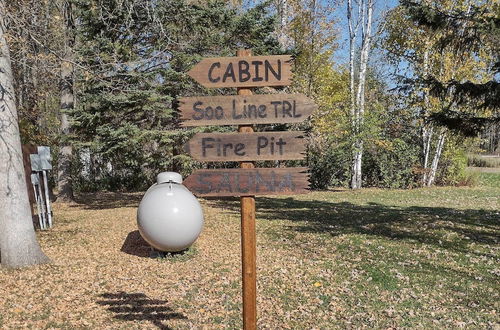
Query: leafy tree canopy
(469, 31)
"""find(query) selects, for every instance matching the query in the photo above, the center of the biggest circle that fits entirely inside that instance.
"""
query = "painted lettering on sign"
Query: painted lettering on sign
(242, 182)
(243, 71)
(247, 146)
(225, 110)
(278, 109)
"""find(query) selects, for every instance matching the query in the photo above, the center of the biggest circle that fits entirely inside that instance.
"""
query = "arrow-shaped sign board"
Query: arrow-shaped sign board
(224, 147)
(241, 110)
(255, 71)
(244, 182)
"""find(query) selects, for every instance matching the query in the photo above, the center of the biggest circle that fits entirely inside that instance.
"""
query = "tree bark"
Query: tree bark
(437, 156)
(352, 53)
(64, 183)
(427, 133)
(353, 31)
(427, 129)
(18, 244)
(283, 16)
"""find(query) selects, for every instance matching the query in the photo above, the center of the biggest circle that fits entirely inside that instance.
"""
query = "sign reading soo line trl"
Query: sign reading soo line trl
(240, 110)
(245, 71)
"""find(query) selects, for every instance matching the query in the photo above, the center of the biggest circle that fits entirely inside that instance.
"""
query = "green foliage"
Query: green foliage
(468, 31)
(136, 55)
(329, 163)
(452, 170)
(132, 57)
(391, 164)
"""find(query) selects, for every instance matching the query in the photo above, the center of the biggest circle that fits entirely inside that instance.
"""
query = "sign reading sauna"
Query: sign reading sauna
(259, 181)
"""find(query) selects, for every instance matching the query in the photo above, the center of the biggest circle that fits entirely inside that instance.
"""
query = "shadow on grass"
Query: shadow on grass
(107, 200)
(422, 224)
(135, 245)
(138, 307)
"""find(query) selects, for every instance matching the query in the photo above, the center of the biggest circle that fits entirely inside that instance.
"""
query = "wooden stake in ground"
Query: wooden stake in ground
(248, 237)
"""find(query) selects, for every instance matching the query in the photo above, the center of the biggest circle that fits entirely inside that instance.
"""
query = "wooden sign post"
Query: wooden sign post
(248, 237)
(245, 109)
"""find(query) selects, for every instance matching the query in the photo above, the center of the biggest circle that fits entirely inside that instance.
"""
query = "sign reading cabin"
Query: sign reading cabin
(254, 71)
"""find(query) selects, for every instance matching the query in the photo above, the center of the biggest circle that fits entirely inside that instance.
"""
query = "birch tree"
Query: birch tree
(18, 244)
(422, 50)
(360, 19)
(41, 40)
(427, 130)
(284, 10)
(34, 36)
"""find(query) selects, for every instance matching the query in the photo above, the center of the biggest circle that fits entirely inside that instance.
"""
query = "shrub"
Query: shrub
(329, 164)
(452, 165)
(390, 164)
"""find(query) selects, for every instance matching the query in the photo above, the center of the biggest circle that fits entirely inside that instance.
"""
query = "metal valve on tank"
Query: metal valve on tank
(169, 216)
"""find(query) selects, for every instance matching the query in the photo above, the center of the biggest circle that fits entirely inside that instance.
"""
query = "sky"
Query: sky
(339, 16)
(341, 56)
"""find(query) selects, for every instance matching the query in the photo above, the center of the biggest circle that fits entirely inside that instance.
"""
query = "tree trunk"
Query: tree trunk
(427, 133)
(312, 53)
(352, 54)
(427, 130)
(283, 17)
(353, 30)
(64, 183)
(437, 156)
(356, 178)
(364, 19)
(18, 244)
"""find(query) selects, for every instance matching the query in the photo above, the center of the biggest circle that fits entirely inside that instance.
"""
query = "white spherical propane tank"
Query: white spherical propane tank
(169, 216)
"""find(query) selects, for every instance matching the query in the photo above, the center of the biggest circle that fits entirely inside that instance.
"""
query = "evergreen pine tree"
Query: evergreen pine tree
(472, 31)
(135, 55)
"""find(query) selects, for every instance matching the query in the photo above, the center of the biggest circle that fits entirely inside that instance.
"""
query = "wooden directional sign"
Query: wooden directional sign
(245, 182)
(252, 71)
(245, 71)
(239, 110)
(247, 146)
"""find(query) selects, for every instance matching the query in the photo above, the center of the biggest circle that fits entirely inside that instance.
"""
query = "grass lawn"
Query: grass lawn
(424, 258)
